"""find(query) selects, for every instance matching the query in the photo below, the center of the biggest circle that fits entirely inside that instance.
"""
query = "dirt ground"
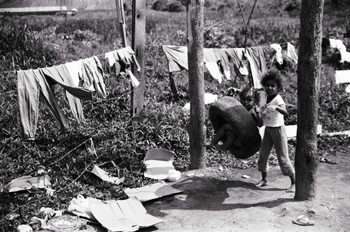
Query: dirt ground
(222, 200)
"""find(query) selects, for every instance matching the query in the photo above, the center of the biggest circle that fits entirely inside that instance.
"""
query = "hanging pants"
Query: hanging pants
(30, 83)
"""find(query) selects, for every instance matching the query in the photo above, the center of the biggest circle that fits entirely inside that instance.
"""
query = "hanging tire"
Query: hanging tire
(229, 110)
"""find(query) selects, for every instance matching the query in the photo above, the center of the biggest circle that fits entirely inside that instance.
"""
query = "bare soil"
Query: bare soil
(222, 200)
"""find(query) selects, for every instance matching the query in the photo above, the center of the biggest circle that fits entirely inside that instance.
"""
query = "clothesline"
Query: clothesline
(80, 79)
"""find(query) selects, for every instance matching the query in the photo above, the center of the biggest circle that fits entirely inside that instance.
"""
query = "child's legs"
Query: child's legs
(265, 149)
(280, 139)
(221, 133)
(231, 138)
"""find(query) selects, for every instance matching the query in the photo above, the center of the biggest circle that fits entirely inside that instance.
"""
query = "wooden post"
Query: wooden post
(121, 19)
(309, 71)
(195, 24)
(138, 45)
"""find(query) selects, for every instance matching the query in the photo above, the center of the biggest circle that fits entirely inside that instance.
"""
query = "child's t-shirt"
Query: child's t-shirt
(271, 118)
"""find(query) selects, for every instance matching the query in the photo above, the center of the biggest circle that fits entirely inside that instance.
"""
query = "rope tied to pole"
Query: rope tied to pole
(246, 34)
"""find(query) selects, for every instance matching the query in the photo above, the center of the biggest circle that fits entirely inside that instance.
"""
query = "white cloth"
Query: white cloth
(134, 81)
(347, 89)
(338, 44)
(214, 70)
(110, 57)
(342, 76)
(75, 71)
(278, 50)
(271, 118)
(291, 52)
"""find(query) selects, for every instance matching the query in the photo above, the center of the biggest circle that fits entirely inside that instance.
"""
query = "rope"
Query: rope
(246, 24)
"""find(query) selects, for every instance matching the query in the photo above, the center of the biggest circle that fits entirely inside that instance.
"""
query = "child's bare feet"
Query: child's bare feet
(291, 189)
(261, 183)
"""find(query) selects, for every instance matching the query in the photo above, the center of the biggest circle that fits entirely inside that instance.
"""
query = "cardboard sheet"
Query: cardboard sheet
(103, 175)
(158, 163)
(151, 192)
(122, 215)
(28, 182)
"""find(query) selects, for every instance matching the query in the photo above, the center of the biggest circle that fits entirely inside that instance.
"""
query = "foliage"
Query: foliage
(108, 137)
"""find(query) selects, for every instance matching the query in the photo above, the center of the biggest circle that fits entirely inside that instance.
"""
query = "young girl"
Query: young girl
(248, 98)
(272, 113)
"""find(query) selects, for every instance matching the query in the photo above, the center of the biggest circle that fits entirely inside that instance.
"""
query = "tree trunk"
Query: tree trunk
(309, 67)
(195, 24)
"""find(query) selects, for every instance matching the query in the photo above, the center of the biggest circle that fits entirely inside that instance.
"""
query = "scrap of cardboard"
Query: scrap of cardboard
(151, 192)
(28, 182)
(158, 163)
(122, 215)
(103, 175)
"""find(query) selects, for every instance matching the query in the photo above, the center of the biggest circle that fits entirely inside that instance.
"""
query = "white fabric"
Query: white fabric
(110, 57)
(291, 52)
(271, 118)
(338, 44)
(278, 50)
(134, 81)
(342, 76)
(75, 71)
(214, 70)
(347, 89)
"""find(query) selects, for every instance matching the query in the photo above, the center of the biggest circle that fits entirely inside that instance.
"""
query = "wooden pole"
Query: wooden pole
(138, 45)
(309, 71)
(195, 24)
(121, 19)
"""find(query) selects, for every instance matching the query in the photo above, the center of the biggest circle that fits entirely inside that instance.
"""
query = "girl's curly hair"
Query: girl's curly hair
(274, 75)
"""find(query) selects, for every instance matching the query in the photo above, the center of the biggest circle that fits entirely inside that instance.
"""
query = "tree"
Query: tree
(195, 25)
(309, 66)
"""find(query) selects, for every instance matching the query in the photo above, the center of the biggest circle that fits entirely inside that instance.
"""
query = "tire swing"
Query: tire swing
(229, 110)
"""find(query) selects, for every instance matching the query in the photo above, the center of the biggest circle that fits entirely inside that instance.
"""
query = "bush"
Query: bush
(165, 5)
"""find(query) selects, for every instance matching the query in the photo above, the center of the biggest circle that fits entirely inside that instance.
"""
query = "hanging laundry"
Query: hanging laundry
(342, 76)
(214, 70)
(291, 52)
(78, 92)
(278, 50)
(74, 102)
(75, 70)
(30, 83)
(134, 81)
(94, 76)
(338, 44)
(177, 60)
(255, 63)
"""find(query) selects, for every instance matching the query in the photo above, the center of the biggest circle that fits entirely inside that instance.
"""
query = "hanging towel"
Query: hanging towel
(342, 76)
